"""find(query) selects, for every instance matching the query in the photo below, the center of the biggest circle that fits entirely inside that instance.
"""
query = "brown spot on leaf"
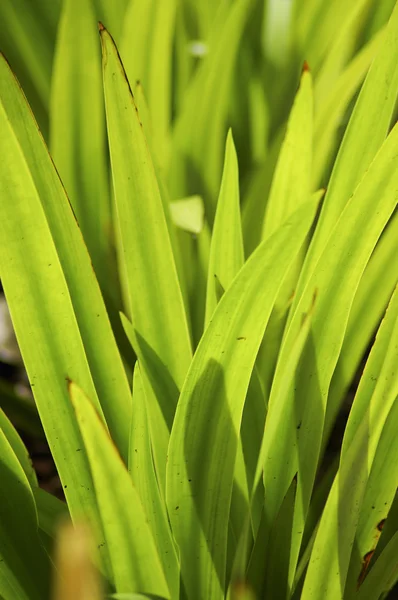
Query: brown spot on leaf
(365, 564)
(381, 525)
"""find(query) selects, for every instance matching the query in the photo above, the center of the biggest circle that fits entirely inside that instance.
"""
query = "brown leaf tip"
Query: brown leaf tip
(100, 26)
(306, 67)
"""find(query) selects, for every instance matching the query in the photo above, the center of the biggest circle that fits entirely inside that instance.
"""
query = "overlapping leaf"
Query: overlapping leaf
(49, 221)
(77, 128)
(24, 565)
(132, 551)
(155, 303)
(203, 442)
(359, 499)
(294, 427)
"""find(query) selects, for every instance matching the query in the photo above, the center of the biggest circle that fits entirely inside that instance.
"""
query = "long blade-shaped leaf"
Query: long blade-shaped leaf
(291, 185)
(365, 134)
(32, 275)
(147, 52)
(194, 151)
(132, 551)
(28, 39)
(143, 474)
(54, 214)
(18, 448)
(112, 14)
(384, 573)
(155, 301)
(226, 249)
(284, 450)
(371, 437)
(290, 188)
(371, 300)
(50, 511)
(203, 441)
(24, 566)
(77, 128)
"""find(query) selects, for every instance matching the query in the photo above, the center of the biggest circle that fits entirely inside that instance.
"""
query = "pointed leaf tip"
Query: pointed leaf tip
(101, 27)
(306, 67)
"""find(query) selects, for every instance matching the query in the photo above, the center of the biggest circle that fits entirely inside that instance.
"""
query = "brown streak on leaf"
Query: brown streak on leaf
(365, 564)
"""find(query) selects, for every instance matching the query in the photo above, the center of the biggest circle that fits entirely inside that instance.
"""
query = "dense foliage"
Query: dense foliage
(199, 252)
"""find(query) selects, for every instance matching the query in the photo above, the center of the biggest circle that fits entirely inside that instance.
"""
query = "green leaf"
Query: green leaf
(383, 574)
(257, 189)
(285, 451)
(365, 133)
(157, 393)
(34, 283)
(132, 551)
(378, 498)
(19, 449)
(42, 231)
(77, 128)
(368, 440)
(134, 597)
(389, 529)
(143, 475)
(204, 437)
(158, 317)
(44, 267)
(24, 566)
(317, 25)
(277, 567)
(112, 14)
(28, 32)
(226, 248)
(330, 113)
(291, 185)
(341, 51)
(376, 391)
(195, 152)
(380, 13)
(263, 541)
(50, 511)
(259, 120)
(374, 292)
(21, 411)
(147, 53)
(155, 303)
